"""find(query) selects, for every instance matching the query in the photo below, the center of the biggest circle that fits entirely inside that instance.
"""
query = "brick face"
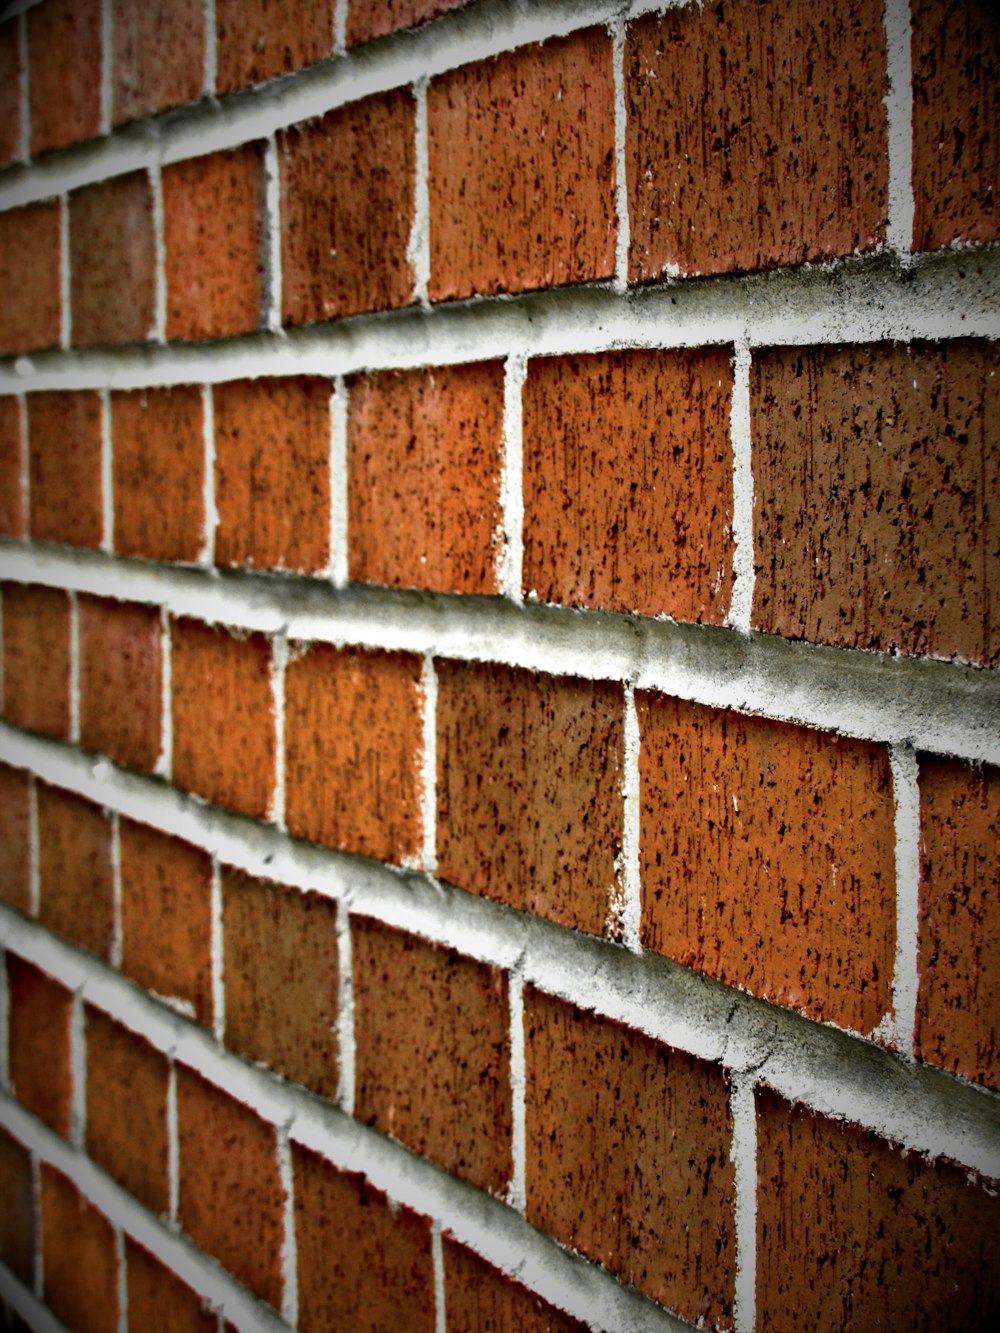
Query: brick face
(79, 1258)
(39, 1044)
(121, 671)
(158, 55)
(64, 60)
(10, 94)
(112, 261)
(157, 1299)
(479, 1297)
(64, 467)
(36, 658)
(17, 1218)
(15, 835)
(30, 266)
(366, 21)
(261, 39)
(13, 519)
(74, 870)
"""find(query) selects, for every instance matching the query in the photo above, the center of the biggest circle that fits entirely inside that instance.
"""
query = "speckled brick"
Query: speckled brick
(529, 773)
(167, 917)
(956, 109)
(120, 680)
(36, 657)
(112, 261)
(223, 716)
(231, 1200)
(755, 135)
(272, 473)
(79, 1257)
(30, 266)
(64, 467)
(368, 19)
(261, 39)
(40, 1012)
(363, 1264)
(958, 1001)
(521, 169)
(12, 506)
(158, 1299)
(876, 517)
(213, 231)
(17, 1217)
(158, 54)
(15, 838)
(424, 463)
(127, 1109)
(628, 1157)
(431, 1031)
(854, 1234)
(628, 491)
(767, 858)
(481, 1299)
(282, 977)
(353, 744)
(347, 189)
(64, 60)
(158, 471)
(10, 94)
(74, 870)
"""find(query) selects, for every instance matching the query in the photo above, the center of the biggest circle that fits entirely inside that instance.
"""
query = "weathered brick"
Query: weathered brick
(363, 1264)
(158, 473)
(521, 169)
(17, 1217)
(347, 189)
(159, 57)
(854, 1234)
(79, 1257)
(876, 518)
(261, 39)
(272, 473)
(120, 680)
(353, 742)
(628, 1157)
(127, 1109)
(768, 858)
(10, 94)
(112, 260)
(13, 519)
(158, 1299)
(213, 229)
(64, 467)
(231, 1200)
(15, 838)
(366, 21)
(755, 135)
(955, 50)
(64, 60)
(30, 266)
(529, 771)
(41, 1011)
(480, 1299)
(36, 658)
(628, 492)
(431, 1030)
(424, 449)
(74, 870)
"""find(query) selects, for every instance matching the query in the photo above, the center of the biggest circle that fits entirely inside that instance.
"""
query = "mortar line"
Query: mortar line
(339, 27)
(631, 886)
(36, 1197)
(429, 689)
(121, 1276)
(207, 557)
(623, 233)
(741, 604)
(211, 63)
(107, 476)
(279, 661)
(339, 489)
(65, 277)
(345, 1010)
(437, 1262)
(511, 547)
(116, 891)
(158, 332)
(744, 1152)
(165, 762)
(78, 1062)
(173, 1147)
(24, 441)
(272, 238)
(217, 951)
(906, 793)
(4, 1023)
(899, 127)
(418, 251)
(74, 667)
(34, 857)
(517, 1189)
(107, 66)
(24, 147)
(289, 1257)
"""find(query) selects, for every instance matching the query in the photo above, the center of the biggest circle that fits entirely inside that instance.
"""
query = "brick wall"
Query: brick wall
(499, 759)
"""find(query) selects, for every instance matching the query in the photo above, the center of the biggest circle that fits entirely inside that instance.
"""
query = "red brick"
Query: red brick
(10, 94)
(15, 838)
(74, 870)
(529, 771)
(17, 1218)
(120, 680)
(36, 658)
(159, 57)
(958, 1002)
(12, 515)
(64, 63)
(854, 1234)
(347, 189)
(628, 491)
(282, 976)
(127, 1110)
(112, 260)
(167, 916)
(223, 716)
(768, 858)
(64, 467)
(480, 1299)
(521, 169)
(231, 1200)
(431, 1031)
(158, 1299)
(158, 473)
(956, 109)
(876, 518)
(261, 39)
(353, 744)
(628, 1157)
(424, 450)
(272, 473)
(213, 228)
(363, 1264)
(30, 266)
(368, 19)
(79, 1258)
(41, 1076)
(755, 135)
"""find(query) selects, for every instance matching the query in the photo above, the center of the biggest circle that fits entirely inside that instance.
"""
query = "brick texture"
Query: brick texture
(74, 870)
(261, 39)
(522, 175)
(876, 517)
(30, 265)
(432, 1052)
(10, 94)
(39, 1043)
(17, 1218)
(628, 1157)
(365, 20)
(158, 1299)
(424, 451)
(13, 519)
(529, 774)
(628, 482)
(64, 467)
(36, 658)
(64, 60)
(158, 54)
(479, 1298)
(112, 260)
(15, 836)
(120, 680)
(79, 1258)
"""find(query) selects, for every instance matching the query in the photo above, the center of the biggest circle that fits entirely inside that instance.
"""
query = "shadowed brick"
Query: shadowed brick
(36, 658)
(30, 266)
(74, 869)
(112, 261)
(121, 670)
(15, 838)
(64, 468)
(478, 1297)
(158, 54)
(40, 1013)
(13, 519)
(17, 1217)
(79, 1257)
(158, 1299)
(260, 39)
(64, 60)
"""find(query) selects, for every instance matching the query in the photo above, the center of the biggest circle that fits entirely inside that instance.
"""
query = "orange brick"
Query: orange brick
(367, 19)
(30, 265)
(12, 515)
(431, 1030)
(628, 491)
(10, 94)
(74, 870)
(272, 473)
(120, 680)
(36, 658)
(628, 1157)
(479, 1298)
(41, 1076)
(112, 261)
(261, 39)
(521, 169)
(17, 1217)
(79, 1258)
(424, 464)
(529, 771)
(64, 60)
(15, 838)
(159, 57)
(64, 467)
(353, 743)
(158, 1299)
